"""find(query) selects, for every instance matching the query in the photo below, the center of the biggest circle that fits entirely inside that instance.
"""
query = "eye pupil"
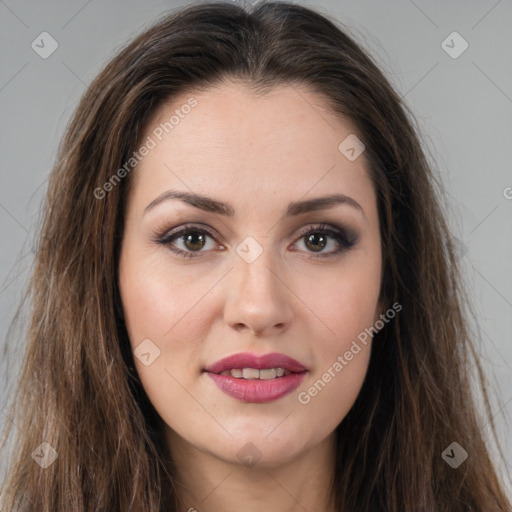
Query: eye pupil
(313, 237)
(191, 236)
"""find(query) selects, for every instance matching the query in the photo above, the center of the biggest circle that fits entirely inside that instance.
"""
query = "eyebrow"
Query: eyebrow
(211, 205)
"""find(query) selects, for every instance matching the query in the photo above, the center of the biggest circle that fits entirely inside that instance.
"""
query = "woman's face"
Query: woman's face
(257, 274)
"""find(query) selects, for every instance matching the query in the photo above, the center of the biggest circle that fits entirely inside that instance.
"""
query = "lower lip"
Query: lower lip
(257, 390)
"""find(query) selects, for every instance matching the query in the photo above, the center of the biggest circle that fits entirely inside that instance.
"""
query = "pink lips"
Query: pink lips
(248, 360)
(257, 390)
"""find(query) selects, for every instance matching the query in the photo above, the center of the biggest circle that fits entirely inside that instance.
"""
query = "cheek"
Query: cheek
(347, 309)
(160, 301)
(166, 316)
(328, 397)
(161, 317)
(344, 307)
(341, 302)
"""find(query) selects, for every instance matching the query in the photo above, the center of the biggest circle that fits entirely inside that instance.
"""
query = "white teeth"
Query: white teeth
(268, 374)
(253, 373)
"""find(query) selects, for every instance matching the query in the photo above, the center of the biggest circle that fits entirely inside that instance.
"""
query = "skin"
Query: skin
(257, 154)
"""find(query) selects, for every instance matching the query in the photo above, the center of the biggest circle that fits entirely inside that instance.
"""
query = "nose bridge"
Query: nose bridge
(255, 267)
(257, 297)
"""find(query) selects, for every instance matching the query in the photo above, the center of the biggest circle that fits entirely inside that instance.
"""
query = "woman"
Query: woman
(245, 295)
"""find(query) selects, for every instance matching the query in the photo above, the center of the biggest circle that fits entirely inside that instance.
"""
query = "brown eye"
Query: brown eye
(317, 239)
(188, 241)
(194, 241)
(316, 242)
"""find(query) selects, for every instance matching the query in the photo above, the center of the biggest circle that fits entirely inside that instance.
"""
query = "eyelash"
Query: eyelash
(336, 233)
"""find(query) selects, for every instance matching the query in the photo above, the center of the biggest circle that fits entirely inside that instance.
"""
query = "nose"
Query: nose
(259, 298)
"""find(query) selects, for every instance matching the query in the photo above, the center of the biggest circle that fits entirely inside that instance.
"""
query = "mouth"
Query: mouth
(254, 373)
(257, 379)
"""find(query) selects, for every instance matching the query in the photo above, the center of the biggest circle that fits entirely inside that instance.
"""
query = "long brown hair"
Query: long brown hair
(78, 390)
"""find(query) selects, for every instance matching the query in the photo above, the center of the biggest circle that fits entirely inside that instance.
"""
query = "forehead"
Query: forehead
(226, 137)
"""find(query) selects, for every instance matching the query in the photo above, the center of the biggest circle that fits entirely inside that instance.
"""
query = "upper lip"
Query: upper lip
(248, 360)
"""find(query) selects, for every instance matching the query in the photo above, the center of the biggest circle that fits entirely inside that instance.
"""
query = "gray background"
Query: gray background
(463, 105)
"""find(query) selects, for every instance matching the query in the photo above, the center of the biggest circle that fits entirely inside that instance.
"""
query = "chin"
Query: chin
(256, 450)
